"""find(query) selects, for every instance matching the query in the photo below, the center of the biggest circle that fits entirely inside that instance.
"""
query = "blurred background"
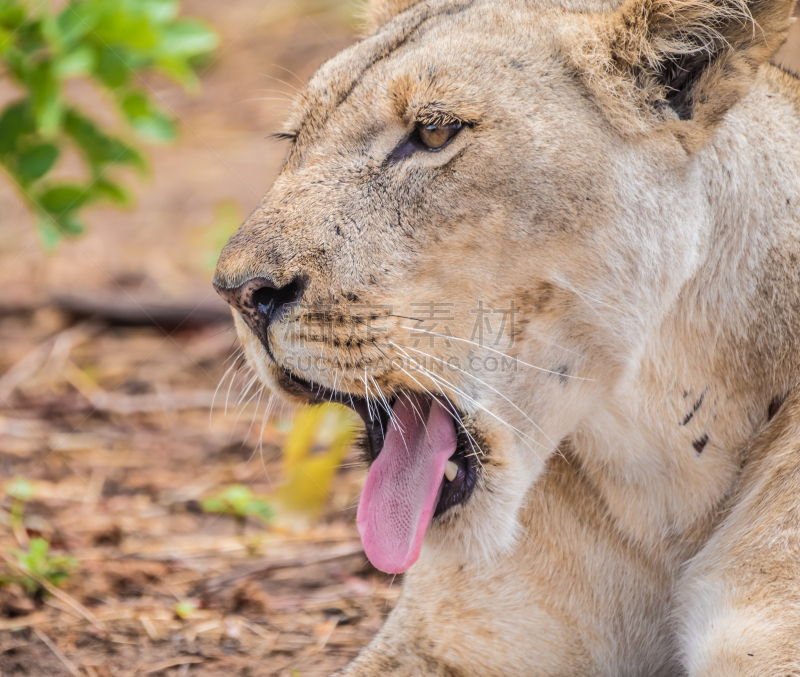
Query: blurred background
(159, 515)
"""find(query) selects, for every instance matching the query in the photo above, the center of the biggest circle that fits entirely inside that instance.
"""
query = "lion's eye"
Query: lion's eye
(434, 137)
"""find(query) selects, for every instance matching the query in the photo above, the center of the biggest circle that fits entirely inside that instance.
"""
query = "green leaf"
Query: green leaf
(109, 42)
(70, 224)
(259, 508)
(41, 565)
(6, 40)
(15, 121)
(20, 489)
(187, 38)
(62, 199)
(238, 496)
(99, 148)
(214, 505)
(45, 98)
(158, 11)
(76, 20)
(36, 162)
(109, 191)
(12, 14)
(146, 119)
(127, 29)
(37, 554)
(112, 70)
(49, 32)
(238, 500)
(53, 227)
(180, 71)
(50, 234)
(79, 63)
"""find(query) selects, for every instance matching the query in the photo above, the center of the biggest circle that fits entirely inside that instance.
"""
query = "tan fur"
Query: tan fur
(629, 176)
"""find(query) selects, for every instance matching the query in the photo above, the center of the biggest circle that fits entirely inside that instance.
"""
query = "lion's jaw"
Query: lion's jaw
(537, 208)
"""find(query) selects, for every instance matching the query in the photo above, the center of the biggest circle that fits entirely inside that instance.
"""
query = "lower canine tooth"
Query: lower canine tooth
(450, 471)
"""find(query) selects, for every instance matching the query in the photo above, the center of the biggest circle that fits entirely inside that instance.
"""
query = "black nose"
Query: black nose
(261, 302)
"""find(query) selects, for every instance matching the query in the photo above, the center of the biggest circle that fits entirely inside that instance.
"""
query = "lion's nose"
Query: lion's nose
(261, 302)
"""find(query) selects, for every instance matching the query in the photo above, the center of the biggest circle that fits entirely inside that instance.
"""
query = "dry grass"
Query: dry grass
(119, 489)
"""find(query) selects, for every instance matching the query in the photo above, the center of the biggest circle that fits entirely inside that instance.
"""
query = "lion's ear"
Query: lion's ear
(379, 12)
(678, 61)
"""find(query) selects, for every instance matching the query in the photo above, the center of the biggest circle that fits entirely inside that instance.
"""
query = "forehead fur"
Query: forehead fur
(431, 63)
(379, 12)
(630, 57)
(335, 80)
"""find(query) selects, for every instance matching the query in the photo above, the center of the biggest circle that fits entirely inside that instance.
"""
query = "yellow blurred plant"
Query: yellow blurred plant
(320, 437)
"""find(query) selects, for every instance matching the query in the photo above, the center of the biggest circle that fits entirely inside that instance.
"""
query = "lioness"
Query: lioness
(549, 252)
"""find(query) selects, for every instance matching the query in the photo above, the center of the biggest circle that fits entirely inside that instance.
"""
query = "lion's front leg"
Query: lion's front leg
(740, 596)
(572, 599)
(484, 637)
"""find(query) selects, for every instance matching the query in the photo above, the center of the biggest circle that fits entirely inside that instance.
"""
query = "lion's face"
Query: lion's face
(461, 247)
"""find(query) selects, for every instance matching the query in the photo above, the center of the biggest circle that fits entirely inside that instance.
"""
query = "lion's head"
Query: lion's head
(486, 208)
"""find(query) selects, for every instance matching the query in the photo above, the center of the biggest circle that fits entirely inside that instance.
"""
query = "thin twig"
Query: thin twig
(39, 356)
(66, 661)
(259, 569)
(171, 663)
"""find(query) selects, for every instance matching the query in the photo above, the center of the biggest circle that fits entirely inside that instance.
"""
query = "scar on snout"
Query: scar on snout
(700, 443)
(774, 406)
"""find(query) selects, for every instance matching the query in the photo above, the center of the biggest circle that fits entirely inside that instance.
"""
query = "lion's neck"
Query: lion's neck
(667, 448)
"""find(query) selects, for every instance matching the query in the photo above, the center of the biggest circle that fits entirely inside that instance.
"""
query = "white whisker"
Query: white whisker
(483, 383)
(283, 82)
(219, 385)
(499, 352)
(462, 394)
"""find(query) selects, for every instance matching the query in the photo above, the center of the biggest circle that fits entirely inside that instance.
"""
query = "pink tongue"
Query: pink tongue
(403, 484)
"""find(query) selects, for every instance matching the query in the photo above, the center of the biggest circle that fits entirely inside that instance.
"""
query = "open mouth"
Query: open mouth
(423, 462)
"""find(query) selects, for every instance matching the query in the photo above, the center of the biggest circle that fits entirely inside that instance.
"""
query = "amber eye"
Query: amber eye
(434, 137)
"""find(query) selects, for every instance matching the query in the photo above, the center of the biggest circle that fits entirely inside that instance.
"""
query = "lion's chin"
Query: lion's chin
(433, 473)
(483, 530)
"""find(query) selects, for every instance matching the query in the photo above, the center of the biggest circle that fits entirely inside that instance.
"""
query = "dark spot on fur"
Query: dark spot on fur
(686, 393)
(516, 64)
(562, 372)
(350, 296)
(519, 327)
(696, 406)
(774, 406)
(700, 443)
(541, 299)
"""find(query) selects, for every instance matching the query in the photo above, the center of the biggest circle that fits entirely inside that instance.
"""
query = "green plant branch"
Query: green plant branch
(110, 43)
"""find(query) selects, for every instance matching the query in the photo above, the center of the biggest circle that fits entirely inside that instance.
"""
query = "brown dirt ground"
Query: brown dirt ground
(112, 425)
